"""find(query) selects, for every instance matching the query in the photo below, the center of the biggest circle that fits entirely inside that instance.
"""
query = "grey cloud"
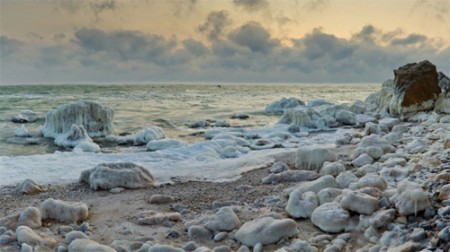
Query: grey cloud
(59, 37)
(315, 5)
(254, 37)
(440, 9)
(251, 5)
(195, 47)
(100, 6)
(8, 46)
(215, 24)
(409, 40)
(183, 7)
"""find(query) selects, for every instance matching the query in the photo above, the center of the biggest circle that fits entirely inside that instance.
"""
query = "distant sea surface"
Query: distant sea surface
(169, 106)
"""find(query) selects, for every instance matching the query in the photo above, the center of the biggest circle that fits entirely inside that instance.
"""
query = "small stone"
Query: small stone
(444, 234)
(116, 190)
(362, 160)
(444, 211)
(173, 234)
(406, 247)
(258, 247)
(358, 202)
(444, 193)
(332, 168)
(344, 179)
(331, 217)
(243, 248)
(220, 236)
(418, 235)
(73, 235)
(160, 199)
(301, 205)
(190, 246)
(222, 248)
(29, 187)
(84, 227)
(266, 230)
(199, 233)
(220, 204)
(154, 218)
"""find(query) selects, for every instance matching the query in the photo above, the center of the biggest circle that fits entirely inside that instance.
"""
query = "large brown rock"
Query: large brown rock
(416, 83)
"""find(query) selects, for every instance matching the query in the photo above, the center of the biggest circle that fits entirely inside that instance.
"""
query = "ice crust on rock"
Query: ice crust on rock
(289, 176)
(301, 205)
(331, 217)
(224, 220)
(88, 246)
(111, 175)
(304, 118)
(26, 235)
(266, 230)
(278, 107)
(358, 202)
(313, 158)
(64, 211)
(410, 198)
(315, 186)
(95, 118)
(163, 144)
(77, 137)
(29, 187)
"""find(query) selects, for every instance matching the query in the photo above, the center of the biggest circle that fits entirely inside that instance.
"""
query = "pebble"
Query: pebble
(220, 204)
(418, 234)
(160, 199)
(84, 227)
(258, 247)
(444, 211)
(220, 236)
(117, 190)
(222, 248)
(190, 246)
(444, 234)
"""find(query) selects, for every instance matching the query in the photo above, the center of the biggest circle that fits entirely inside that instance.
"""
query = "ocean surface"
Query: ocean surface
(169, 106)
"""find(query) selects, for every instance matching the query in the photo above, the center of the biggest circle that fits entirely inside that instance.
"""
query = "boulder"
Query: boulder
(331, 217)
(30, 217)
(79, 245)
(111, 175)
(312, 158)
(64, 211)
(27, 235)
(266, 230)
(95, 118)
(444, 83)
(278, 107)
(301, 205)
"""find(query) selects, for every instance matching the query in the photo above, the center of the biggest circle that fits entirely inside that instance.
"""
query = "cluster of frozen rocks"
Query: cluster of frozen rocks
(384, 187)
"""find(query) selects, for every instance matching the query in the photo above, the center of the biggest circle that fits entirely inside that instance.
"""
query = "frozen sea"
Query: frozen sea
(169, 106)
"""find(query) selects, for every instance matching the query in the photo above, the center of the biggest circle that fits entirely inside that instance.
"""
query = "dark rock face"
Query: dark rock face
(416, 83)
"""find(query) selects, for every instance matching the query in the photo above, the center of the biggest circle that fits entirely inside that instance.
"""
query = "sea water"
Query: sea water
(169, 106)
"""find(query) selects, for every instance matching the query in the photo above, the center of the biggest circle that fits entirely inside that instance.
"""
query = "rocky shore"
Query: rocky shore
(383, 187)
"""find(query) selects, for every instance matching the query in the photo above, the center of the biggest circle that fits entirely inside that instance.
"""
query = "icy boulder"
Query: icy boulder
(77, 137)
(331, 217)
(312, 158)
(64, 211)
(96, 119)
(304, 118)
(278, 107)
(266, 230)
(410, 198)
(111, 175)
(25, 116)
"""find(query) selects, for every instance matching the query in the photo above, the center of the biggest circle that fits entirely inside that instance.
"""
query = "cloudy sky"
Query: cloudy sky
(275, 41)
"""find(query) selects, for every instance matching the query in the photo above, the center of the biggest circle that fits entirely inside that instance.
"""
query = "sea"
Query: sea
(170, 106)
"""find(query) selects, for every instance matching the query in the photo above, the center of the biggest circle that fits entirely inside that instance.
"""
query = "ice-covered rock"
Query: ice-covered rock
(64, 211)
(266, 230)
(278, 107)
(358, 202)
(88, 245)
(374, 152)
(198, 124)
(222, 124)
(26, 235)
(362, 160)
(344, 179)
(332, 168)
(25, 116)
(410, 198)
(358, 107)
(444, 192)
(444, 83)
(278, 167)
(224, 220)
(163, 144)
(157, 218)
(346, 117)
(369, 180)
(22, 132)
(317, 103)
(301, 205)
(331, 217)
(315, 186)
(148, 134)
(29, 187)
(96, 119)
(304, 118)
(111, 175)
(30, 217)
(327, 195)
(73, 235)
(289, 176)
(375, 141)
(77, 137)
(312, 158)
(416, 146)
(378, 219)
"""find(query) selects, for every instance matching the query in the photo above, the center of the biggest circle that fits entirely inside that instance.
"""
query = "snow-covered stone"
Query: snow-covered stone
(157, 218)
(303, 118)
(76, 137)
(362, 160)
(358, 107)
(26, 235)
(64, 211)
(374, 152)
(331, 217)
(111, 175)
(410, 198)
(369, 180)
(278, 167)
(96, 119)
(312, 158)
(344, 179)
(328, 195)
(224, 220)
(358, 202)
(29, 187)
(315, 186)
(346, 117)
(30, 217)
(375, 141)
(302, 205)
(278, 107)
(332, 168)
(266, 230)
(88, 245)
(416, 146)
(378, 219)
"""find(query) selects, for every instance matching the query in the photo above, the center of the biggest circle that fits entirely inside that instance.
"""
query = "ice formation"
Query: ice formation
(25, 116)
(96, 119)
(278, 107)
(304, 118)
(77, 137)
(22, 131)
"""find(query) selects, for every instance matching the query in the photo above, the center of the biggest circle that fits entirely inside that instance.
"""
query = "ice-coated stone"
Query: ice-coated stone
(328, 195)
(146, 135)
(358, 107)
(160, 199)
(29, 187)
(290, 176)
(362, 160)
(266, 230)
(30, 217)
(393, 138)
(344, 179)
(22, 132)
(163, 144)
(375, 141)
(88, 246)
(369, 180)
(410, 198)
(26, 235)
(111, 175)
(332, 168)
(346, 117)
(304, 118)
(73, 235)
(358, 202)
(199, 233)
(317, 103)
(394, 174)
(302, 205)
(198, 124)
(315, 186)
(96, 119)
(374, 152)
(76, 136)
(331, 217)
(222, 124)
(163, 248)
(378, 219)
(64, 211)
(224, 220)
(278, 167)
(416, 146)
(303, 246)
(25, 116)
(157, 218)
(278, 107)
(312, 158)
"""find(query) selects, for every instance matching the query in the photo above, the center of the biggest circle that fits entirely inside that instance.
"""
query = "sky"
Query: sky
(217, 41)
